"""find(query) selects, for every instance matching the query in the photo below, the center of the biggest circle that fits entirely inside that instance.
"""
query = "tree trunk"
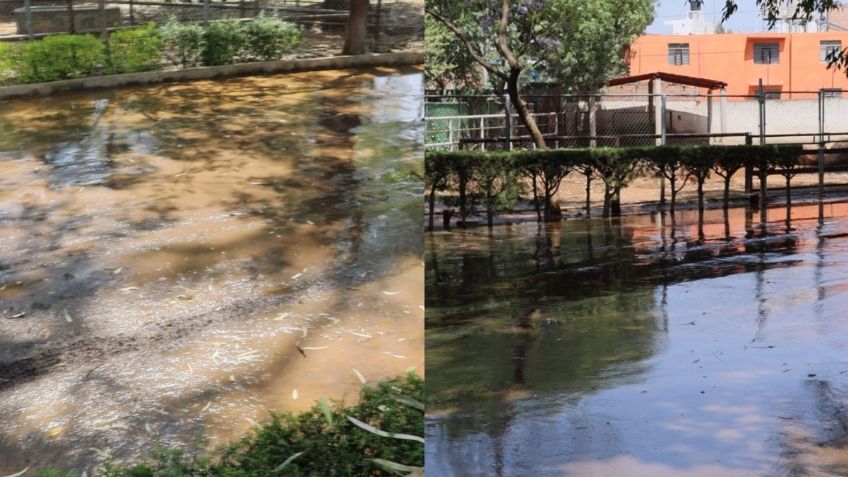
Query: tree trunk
(463, 199)
(727, 192)
(788, 192)
(552, 211)
(606, 212)
(357, 32)
(672, 181)
(701, 197)
(523, 111)
(432, 207)
(536, 201)
(615, 202)
(588, 194)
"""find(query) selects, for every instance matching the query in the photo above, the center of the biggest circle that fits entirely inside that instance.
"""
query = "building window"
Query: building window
(771, 93)
(832, 93)
(766, 53)
(829, 49)
(678, 53)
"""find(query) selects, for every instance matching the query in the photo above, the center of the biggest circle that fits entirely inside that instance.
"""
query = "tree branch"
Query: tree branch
(478, 57)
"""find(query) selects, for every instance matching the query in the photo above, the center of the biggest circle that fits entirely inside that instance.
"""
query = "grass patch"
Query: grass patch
(322, 441)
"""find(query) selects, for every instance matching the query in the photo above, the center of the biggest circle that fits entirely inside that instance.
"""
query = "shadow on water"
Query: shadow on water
(146, 233)
(638, 346)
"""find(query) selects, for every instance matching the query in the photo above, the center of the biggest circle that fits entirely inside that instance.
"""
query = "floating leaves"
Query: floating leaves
(129, 289)
(373, 430)
(117, 270)
(394, 355)
(325, 408)
(396, 468)
(288, 461)
(184, 297)
(67, 316)
(19, 474)
(360, 376)
(295, 394)
(19, 315)
(410, 402)
(390, 293)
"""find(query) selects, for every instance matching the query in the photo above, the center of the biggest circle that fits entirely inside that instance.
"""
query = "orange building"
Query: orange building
(784, 61)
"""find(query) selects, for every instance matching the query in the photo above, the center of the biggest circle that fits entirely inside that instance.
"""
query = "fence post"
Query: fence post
(821, 156)
(593, 122)
(483, 132)
(450, 133)
(761, 99)
(709, 116)
(206, 12)
(377, 27)
(256, 8)
(28, 16)
(132, 14)
(71, 27)
(749, 168)
(662, 120)
(508, 109)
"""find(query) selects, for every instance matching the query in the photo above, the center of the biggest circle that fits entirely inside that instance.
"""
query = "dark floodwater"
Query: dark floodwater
(634, 348)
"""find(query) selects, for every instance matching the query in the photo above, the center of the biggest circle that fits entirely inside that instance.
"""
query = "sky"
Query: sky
(745, 20)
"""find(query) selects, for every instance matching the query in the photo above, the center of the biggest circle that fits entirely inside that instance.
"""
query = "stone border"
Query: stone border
(207, 72)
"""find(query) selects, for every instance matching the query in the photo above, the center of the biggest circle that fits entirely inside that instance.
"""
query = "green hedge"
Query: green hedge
(469, 174)
(60, 57)
(57, 57)
(137, 49)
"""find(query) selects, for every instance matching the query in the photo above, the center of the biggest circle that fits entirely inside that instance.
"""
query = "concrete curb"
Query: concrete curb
(207, 72)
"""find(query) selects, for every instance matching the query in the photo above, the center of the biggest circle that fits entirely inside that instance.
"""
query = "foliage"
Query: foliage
(615, 166)
(57, 57)
(447, 62)
(223, 42)
(183, 42)
(269, 38)
(321, 441)
(577, 43)
(136, 49)
(6, 71)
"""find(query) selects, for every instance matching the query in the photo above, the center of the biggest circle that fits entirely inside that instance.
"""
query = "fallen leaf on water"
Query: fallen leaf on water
(296, 276)
(118, 270)
(289, 461)
(208, 404)
(19, 314)
(325, 408)
(19, 474)
(184, 297)
(421, 306)
(55, 431)
(100, 452)
(294, 394)
(67, 316)
(363, 335)
(314, 347)
(310, 222)
(386, 292)
(394, 355)
(360, 376)
(378, 432)
(129, 289)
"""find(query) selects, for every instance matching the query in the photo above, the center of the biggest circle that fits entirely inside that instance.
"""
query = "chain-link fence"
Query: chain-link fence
(813, 119)
(392, 25)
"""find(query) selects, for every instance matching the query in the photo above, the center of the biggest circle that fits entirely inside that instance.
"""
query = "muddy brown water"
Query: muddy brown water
(636, 347)
(165, 250)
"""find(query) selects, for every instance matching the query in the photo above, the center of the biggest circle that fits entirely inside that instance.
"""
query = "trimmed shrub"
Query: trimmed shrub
(58, 57)
(6, 71)
(269, 38)
(184, 43)
(137, 49)
(223, 42)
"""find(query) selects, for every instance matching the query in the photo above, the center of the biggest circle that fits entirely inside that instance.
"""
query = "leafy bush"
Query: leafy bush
(223, 42)
(184, 43)
(269, 38)
(6, 71)
(137, 49)
(57, 57)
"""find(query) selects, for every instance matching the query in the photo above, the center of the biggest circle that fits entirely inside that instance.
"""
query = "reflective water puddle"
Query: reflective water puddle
(637, 347)
(178, 259)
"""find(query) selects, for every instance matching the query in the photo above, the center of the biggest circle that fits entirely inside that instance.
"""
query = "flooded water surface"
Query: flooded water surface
(640, 347)
(179, 259)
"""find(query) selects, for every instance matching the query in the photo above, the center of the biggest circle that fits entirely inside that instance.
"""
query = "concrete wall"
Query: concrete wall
(189, 74)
